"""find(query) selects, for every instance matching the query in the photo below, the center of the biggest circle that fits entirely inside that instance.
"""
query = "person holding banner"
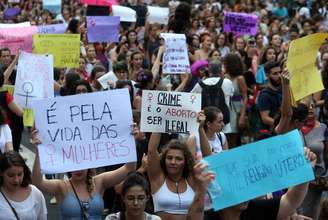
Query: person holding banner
(81, 196)
(170, 176)
(269, 209)
(19, 199)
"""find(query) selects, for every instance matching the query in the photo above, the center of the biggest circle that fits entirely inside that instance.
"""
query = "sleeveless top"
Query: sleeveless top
(173, 203)
(71, 210)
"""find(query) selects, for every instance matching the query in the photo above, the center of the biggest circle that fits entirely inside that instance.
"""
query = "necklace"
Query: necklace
(177, 189)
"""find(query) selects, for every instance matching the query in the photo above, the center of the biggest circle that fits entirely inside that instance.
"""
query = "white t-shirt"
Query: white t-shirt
(227, 88)
(116, 216)
(215, 144)
(5, 136)
(32, 208)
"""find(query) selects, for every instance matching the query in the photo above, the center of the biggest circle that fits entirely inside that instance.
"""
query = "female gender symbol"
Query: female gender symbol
(192, 97)
(150, 96)
(27, 88)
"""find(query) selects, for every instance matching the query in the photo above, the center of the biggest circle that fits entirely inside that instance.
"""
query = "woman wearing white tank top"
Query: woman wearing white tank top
(170, 175)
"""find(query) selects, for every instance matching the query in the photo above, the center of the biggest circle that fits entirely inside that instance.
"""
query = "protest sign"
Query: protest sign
(103, 28)
(170, 112)
(255, 169)
(305, 78)
(175, 58)
(52, 29)
(108, 77)
(99, 2)
(85, 131)
(125, 13)
(23, 24)
(158, 15)
(64, 47)
(17, 38)
(53, 6)
(240, 23)
(34, 79)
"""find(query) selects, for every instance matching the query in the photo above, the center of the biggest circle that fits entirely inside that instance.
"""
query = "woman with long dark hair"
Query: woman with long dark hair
(18, 198)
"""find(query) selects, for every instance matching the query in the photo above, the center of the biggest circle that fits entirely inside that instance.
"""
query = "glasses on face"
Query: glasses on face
(140, 200)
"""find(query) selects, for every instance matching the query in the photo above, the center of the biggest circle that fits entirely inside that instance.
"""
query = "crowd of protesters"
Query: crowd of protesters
(168, 181)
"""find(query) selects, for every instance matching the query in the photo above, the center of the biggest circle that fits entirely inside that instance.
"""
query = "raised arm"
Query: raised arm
(204, 144)
(294, 197)
(202, 179)
(154, 170)
(111, 178)
(243, 89)
(10, 69)
(48, 186)
(286, 108)
(155, 69)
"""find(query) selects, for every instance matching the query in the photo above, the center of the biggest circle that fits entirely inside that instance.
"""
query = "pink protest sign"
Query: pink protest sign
(18, 38)
(99, 2)
(240, 23)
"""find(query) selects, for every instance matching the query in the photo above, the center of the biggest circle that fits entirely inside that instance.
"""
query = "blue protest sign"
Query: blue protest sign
(53, 6)
(52, 29)
(258, 168)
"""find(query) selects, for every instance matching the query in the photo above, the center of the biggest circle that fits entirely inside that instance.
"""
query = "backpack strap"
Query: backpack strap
(202, 84)
(220, 138)
(221, 81)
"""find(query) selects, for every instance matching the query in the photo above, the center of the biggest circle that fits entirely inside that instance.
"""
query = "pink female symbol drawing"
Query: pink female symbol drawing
(192, 99)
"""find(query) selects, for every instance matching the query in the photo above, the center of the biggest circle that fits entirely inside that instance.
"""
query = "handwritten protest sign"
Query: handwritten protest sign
(52, 29)
(109, 77)
(125, 13)
(99, 2)
(175, 58)
(23, 24)
(103, 28)
(17, 38)
(301, 63)
(158, 15)
(64, 47)
(170, 112)
(53, 6)
(240, 23)
(85, 131)
(34, 78)
(255, 169)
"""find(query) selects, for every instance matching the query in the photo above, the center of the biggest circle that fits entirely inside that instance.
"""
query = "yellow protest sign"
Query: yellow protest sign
(64, 47)
(301, 63)
(28, 117)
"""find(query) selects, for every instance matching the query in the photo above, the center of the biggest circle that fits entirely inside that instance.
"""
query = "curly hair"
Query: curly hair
(189, 159)
(233, 64)
(89, 180)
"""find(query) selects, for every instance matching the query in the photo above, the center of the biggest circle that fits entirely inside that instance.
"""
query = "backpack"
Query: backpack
(213, 95)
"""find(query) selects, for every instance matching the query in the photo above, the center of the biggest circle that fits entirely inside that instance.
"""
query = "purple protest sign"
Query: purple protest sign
(103, 28)
(240, 23)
